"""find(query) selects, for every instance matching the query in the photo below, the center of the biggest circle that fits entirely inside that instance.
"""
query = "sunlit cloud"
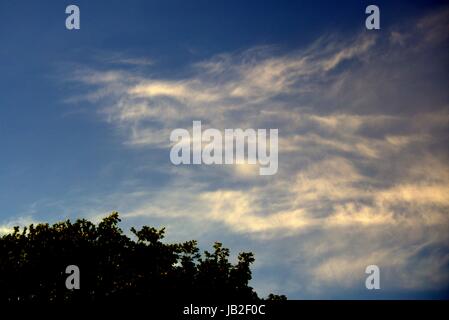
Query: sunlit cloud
(363, 168)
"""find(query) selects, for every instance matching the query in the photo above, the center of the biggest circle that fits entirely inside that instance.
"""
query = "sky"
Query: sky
(363, 120)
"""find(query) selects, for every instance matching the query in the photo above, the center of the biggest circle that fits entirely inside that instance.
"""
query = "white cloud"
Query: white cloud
(363, 175)
(8, 226)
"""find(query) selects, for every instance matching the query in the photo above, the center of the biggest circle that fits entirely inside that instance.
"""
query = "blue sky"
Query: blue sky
(362, 117)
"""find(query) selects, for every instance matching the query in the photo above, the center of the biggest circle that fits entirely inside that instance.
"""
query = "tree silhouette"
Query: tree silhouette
(113, 267)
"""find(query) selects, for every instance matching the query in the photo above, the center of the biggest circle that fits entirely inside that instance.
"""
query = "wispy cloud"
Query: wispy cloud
(8, 226)
(363, 170)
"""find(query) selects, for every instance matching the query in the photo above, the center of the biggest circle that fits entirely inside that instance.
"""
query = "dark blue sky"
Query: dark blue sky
(47, 147)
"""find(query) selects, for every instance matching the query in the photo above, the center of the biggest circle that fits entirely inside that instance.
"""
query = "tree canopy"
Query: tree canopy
(113, 266)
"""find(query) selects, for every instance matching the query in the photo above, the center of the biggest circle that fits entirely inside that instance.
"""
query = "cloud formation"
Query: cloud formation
(363, 169)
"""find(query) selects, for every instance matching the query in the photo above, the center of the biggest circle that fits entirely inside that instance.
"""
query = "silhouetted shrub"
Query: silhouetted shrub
(115, 267)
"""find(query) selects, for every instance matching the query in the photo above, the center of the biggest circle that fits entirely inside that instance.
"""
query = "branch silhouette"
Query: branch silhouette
(114, 267)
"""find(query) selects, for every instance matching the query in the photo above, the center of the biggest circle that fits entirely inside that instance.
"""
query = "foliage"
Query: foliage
(113, 267)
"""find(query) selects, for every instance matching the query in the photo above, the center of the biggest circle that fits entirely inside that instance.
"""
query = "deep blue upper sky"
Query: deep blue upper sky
(44, 151)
